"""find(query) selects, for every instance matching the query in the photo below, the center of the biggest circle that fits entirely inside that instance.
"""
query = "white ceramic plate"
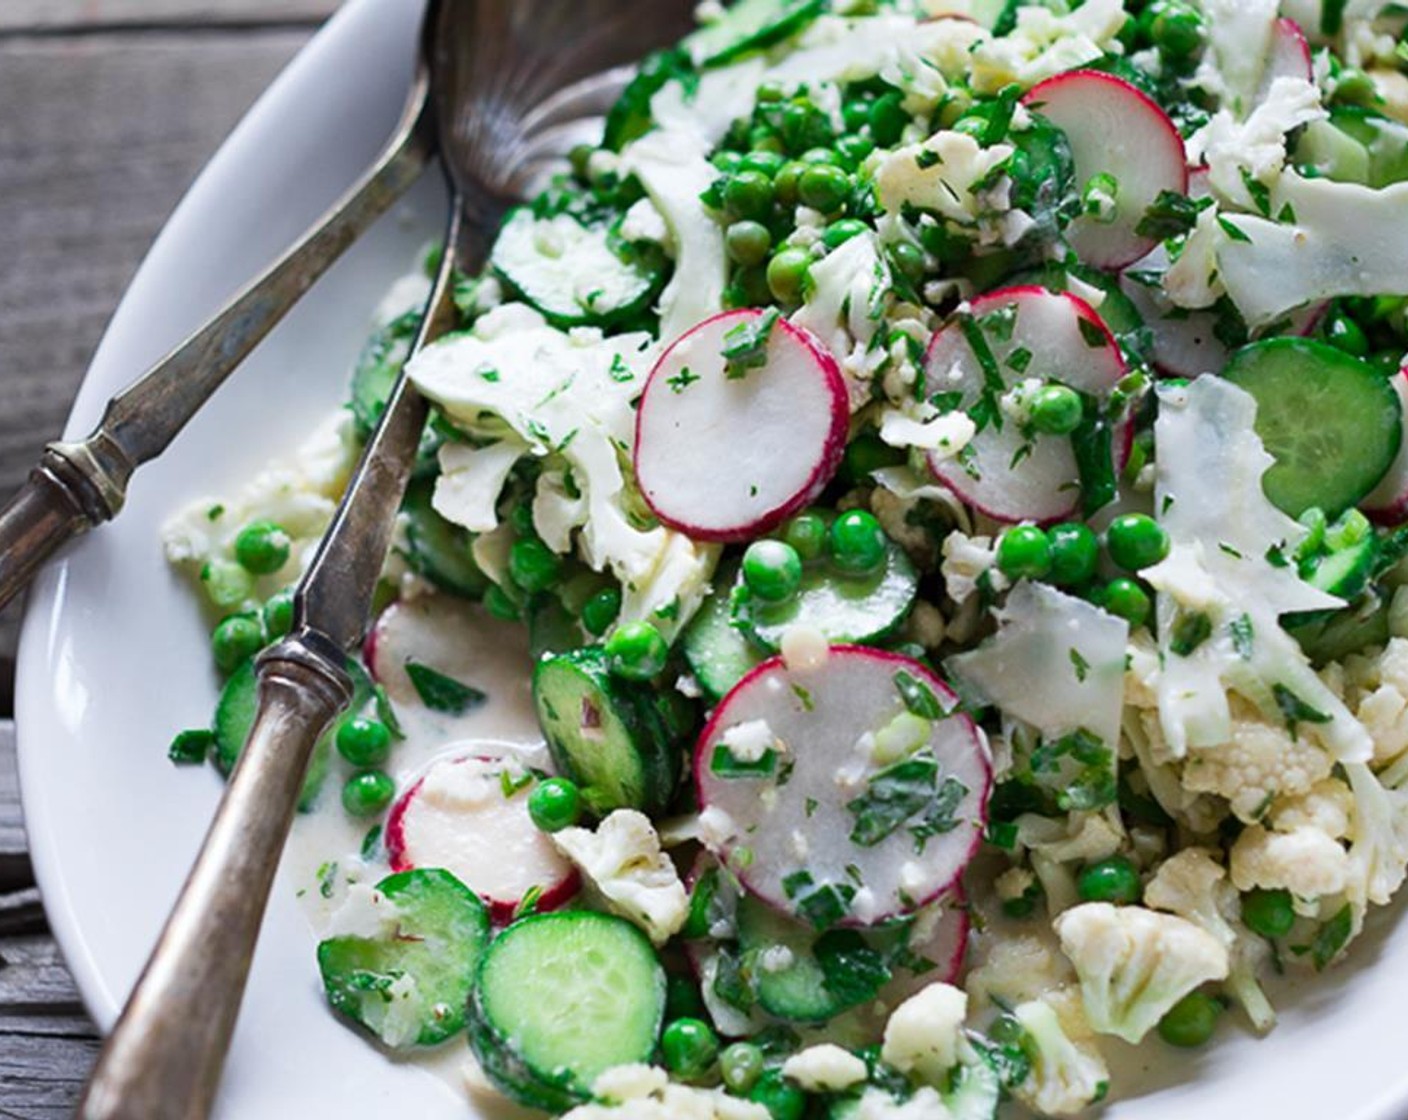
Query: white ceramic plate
(114, 657)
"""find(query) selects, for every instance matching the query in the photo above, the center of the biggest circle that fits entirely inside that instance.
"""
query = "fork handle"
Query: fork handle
(162, 1060)
(45, 512)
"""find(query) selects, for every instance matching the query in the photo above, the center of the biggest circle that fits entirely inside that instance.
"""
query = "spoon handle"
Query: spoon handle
(163, 1059)
(78, 485)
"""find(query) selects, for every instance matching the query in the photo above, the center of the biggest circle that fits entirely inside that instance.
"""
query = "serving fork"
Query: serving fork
(502, 89)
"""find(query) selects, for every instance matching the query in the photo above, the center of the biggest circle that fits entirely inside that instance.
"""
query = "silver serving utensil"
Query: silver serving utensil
(493, 69)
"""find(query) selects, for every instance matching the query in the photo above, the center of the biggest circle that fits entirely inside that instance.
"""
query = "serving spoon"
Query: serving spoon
(493, 68)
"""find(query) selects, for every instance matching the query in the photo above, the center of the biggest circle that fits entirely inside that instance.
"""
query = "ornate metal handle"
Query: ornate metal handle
(163, 1059)
(80, 485)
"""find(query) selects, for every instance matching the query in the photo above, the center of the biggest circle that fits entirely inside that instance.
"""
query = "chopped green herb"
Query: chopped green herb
(1259, 191)
(510, 783)
(1294, 710)
(1190, 630)
(1080, 664)
(851, 970)
(746, 345)
(1170, 215)
(1330, 938)
(1241, 631)
(682, 380)
(190, 748)
(370, 842)
(918, 697)
(440, 693)
(1093, 333)
(726, 764)
(1235, 232)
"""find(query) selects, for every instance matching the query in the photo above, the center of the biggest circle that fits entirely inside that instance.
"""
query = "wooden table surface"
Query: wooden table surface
(108, 110)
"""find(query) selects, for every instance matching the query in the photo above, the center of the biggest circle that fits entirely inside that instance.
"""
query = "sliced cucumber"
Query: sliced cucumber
(1332, 423)
(437, 549)
(411, 987)
(560, 999)
(1336, 635)
(844, 608)
(717, 652)
(576, 275)
(750, 25)
(234, 717)
(1347, 571)
(605, 733)
(1384, 140)
(377, 369)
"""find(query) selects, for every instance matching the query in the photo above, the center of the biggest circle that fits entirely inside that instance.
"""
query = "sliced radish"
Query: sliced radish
(940, 936)
(1114, 129)
(468, 814)
(1008, 471)
(1289, 58)
(727, 448)
(868, 803)
(1388, 503)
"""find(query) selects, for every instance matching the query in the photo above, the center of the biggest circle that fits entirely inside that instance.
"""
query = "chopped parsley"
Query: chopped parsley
(440, 693)
(746, 345)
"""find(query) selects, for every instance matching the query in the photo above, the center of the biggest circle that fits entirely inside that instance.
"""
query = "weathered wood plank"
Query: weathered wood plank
(50, 15)
(102, 136)
(42, 1073)
(15, 873)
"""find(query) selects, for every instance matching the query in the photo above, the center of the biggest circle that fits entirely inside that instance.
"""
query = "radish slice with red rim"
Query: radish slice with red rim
(742, 423)
(1117, 131)
(1388, 503)
(1289, 58)
(1008, 337)
(848, 792)
(468, 814)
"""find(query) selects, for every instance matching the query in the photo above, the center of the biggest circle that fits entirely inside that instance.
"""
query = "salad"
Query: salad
(903, 591)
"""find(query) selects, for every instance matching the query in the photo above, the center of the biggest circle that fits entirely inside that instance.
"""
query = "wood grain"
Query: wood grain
(51, 15)
(114, 128)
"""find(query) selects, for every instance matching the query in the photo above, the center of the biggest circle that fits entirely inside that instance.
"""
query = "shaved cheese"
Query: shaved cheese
(1056, 662)
(1240, 34)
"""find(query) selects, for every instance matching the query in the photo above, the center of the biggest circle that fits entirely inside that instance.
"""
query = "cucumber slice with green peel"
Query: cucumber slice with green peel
(576, 275)
(750, 25)
(560, 999)
(716, 651)
(1332, 423)
(438, 549)
(377, 369)
(410, 987)
(1341, 633)
(1346, 572)
(605, 733)
(844, 608)
(234, 717)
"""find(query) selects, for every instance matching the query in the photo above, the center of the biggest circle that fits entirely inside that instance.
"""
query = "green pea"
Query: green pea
(805, 126)
(1125, 599)
(1388, 361)
(637, 651)
(782, 1099)
(532, 565)
(226, 585)
(749, 194)
(1191, 1021)
(1075, 550)
(748, 242)
(1355, 87)
(853, 150)
(888, 120)
(235, 640)
(689, 1047)
(865, 455)
(363, 742)
(838, 233)
(1024, 552)
(278, 613)
(498, 603)
(1111, 880)
(772, 570)
(741, 1064)
(824, 188)
(1056, 410)
(1136, 541)
(555, 804)
(1269, 913)
(785, 183)
(1345, 334)
(763, 138)
(908, 260)
(262, 547)
(1174, 27)
(858, 544)
(726, 161)
(600, 611)
(749, 288)
(786, 273)
(806, 533)
(367, 793)
(817, 156)
(855, 114)
(764, 162)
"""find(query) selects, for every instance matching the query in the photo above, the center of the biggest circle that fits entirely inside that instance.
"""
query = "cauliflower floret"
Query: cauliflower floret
(1259, 762)
(646, 1093)
(1135, 964)
(1016, 970)
(1195, 886)
(924, 1104)
(966, 561)
(923, 1032)
(1068, 1072)
(623, 862)
(824, 1069)
(1378, 849)
(1304, 861)
(1084, 837)
(1328, 807)
(1376, 691)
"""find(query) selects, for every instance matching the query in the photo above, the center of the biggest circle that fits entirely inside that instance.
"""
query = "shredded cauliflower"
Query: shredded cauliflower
(1375, 686)
(825, 1068)
(623, 862)
(923, 1033)
(1068, 1072)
